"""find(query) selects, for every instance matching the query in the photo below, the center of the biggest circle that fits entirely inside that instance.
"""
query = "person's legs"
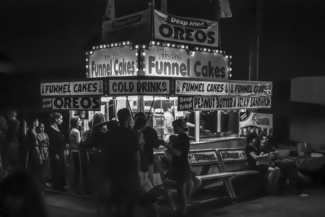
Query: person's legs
(189, 188)
(197, 183)
(150, 173)
(290, 171)
(181, 189)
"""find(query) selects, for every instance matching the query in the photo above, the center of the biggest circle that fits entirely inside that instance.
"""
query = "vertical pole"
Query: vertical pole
(254, 40)
(197, 126)
(163, 5)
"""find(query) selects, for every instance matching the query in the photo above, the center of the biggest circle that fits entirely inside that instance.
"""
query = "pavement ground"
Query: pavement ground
(286, 205)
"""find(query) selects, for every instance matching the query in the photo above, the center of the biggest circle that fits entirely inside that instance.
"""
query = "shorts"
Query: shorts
(145, 182)
(179, 176)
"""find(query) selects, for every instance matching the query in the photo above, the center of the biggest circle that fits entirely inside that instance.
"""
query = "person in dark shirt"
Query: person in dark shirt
(120, 170)
(180, 167)
(151, 141)
(257, 160)
(56, 152)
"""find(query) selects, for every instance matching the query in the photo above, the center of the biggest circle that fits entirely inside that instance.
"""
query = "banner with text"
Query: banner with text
(185, 103)
(94, 87)
(209, 88)
(112, 62)
(202, 103)
(260, 88)
(90, 103)
(260, 123)
(177, 62)
(139, 87)
(185, 30)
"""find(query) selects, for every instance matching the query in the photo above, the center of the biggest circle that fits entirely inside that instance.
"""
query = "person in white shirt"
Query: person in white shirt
(168, 124)
(74, 140)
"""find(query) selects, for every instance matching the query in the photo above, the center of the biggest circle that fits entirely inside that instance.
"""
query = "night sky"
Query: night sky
(48, 39)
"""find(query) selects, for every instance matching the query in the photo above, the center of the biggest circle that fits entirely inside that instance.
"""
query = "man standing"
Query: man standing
(151, 141)
(121, 166)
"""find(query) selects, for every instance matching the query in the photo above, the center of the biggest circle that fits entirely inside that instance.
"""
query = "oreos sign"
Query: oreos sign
(90, 103)
(185, 30)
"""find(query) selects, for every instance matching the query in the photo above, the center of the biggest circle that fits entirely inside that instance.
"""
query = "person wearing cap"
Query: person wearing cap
(56, 152)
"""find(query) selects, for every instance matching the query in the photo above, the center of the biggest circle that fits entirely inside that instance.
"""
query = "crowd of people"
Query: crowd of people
(115, 160)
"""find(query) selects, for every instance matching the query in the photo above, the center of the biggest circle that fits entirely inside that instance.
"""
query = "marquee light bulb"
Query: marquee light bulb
(143, 54)
(186, 47)
(205, 49)
(230, 75)
(123, 43)
(87, 59)
(87, 66)
(94, 47)
(91, 52)
(143, 46)
(115, 44)
(136, 46)
(182, 46)
(168, 44)
(173, 45)
(158, 43)
(153, 42)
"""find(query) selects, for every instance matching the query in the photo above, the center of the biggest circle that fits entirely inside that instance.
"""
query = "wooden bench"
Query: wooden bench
(234, 161)
(203, 158)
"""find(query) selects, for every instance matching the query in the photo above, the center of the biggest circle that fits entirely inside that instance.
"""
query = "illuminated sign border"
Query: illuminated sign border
(105, 69)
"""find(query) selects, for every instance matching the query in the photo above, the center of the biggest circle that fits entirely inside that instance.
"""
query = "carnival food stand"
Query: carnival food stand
(179, 73)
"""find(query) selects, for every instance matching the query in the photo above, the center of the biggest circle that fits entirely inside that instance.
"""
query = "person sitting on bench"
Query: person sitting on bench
(257, 160)
(288, 167)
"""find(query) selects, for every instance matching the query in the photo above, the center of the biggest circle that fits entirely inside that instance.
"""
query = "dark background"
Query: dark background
(44, 40)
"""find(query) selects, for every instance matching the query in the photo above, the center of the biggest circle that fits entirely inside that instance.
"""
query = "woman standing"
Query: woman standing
(180, 167)
(43, 142)
(74, 139)
(33, 154)
(56, 152)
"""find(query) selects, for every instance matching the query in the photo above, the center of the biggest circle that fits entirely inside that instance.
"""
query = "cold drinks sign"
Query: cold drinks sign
(139, 87)
(185, 30)
(174, 62)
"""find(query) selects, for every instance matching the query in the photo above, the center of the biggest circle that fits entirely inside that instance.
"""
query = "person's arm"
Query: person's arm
(173, 150)
(256, 157)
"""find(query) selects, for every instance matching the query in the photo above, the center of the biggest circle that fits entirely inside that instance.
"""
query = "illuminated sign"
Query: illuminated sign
(94, 87)
(91, 103)
(209, 88)
(112, 62)
(203, 103)
(261, 124)
(260, 88)
(185, 30)
(139, 87)
(177, 62)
